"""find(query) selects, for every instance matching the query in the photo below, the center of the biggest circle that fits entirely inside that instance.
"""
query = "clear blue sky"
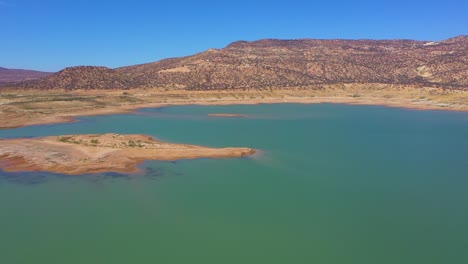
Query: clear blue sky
(53, 34)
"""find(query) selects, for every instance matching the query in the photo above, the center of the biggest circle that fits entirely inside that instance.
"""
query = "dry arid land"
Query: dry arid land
(25, 108)
(84, 154)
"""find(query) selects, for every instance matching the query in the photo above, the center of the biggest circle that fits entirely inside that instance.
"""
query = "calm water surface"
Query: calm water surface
(333, 184)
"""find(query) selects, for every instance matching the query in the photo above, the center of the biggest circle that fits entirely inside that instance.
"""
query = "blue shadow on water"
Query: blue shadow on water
(35, 178)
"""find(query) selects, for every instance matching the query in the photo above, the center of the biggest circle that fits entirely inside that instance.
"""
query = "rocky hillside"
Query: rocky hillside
(16, 75)
(83, 77)
(272, 63)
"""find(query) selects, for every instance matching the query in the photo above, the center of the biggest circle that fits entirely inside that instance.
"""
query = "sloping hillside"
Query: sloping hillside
(16, 75)
(271, 63)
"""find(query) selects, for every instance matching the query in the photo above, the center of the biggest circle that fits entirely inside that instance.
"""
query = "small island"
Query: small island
(84, 154)
(228, 115)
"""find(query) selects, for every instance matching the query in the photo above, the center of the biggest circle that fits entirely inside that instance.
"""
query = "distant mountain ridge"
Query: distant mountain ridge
(16, 75)
(283, 64)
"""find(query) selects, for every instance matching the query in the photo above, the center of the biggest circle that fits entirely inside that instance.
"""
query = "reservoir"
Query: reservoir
(329, 184)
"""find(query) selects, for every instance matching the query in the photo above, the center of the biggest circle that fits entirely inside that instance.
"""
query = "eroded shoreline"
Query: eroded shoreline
(85, 154)
(26, 109)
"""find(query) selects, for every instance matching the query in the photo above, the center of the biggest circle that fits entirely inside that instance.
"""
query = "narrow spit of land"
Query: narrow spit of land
(84, 154)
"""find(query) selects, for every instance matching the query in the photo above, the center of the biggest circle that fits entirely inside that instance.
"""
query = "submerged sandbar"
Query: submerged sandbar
(83, 154)
(228, 115)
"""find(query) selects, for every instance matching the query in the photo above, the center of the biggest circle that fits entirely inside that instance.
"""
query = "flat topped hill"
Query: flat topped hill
(283, 64)
(16, 75)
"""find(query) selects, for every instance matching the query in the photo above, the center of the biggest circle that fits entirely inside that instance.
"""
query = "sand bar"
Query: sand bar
(228, 115)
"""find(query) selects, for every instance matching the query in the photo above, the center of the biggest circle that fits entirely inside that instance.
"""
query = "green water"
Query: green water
(333, 184)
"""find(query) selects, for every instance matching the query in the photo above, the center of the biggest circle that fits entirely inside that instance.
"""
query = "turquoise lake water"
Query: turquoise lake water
(332, 184)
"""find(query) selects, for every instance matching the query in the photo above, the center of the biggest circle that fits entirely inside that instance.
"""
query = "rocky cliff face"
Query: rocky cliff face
(272, 63)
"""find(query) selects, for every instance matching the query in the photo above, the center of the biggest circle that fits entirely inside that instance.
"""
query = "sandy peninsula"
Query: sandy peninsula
(84, 154)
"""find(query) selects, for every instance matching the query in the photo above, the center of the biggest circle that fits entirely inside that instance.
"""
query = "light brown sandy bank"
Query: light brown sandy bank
(83, 154)
(22, 108)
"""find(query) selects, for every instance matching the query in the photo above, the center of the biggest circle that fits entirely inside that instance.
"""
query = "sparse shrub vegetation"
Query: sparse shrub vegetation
(133, 144)
(64, 139)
